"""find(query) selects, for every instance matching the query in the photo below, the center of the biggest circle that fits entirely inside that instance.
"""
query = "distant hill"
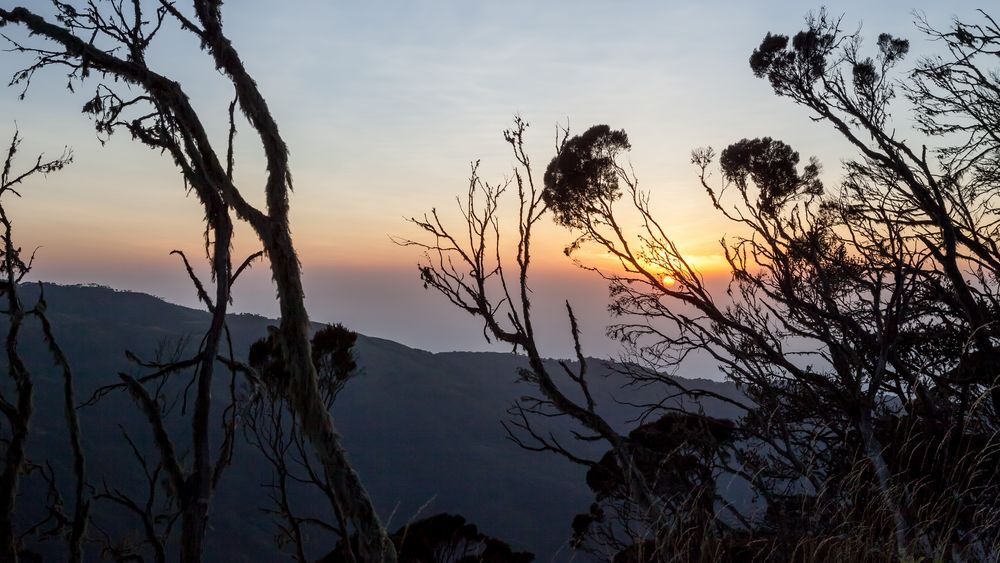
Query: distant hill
(422, 429)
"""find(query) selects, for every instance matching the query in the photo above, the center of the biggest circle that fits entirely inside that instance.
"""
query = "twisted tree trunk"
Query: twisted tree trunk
(307, 403)
(183, 135)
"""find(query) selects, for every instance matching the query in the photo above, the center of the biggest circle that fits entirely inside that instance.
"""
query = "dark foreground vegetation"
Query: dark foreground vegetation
(859, 326)
(860, 319)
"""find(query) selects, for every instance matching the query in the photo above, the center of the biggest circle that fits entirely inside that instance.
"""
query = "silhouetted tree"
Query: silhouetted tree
(471, 271)
(678, 454)
(110, 40)
(272, 428)
(860, 322)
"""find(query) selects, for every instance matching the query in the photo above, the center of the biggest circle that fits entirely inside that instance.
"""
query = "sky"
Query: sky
(384, 105)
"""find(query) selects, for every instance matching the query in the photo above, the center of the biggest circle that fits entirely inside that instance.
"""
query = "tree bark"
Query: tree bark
(374, 544)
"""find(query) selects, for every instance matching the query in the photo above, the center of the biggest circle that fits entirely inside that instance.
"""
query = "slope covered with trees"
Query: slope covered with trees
(425, 426)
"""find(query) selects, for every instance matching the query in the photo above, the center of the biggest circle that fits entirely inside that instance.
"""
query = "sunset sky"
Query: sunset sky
(384, 104)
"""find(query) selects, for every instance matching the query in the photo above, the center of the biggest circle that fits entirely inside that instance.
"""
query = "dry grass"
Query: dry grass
(850, 521)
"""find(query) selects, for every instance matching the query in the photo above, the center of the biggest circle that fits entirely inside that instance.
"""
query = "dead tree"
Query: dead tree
(111, 39)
